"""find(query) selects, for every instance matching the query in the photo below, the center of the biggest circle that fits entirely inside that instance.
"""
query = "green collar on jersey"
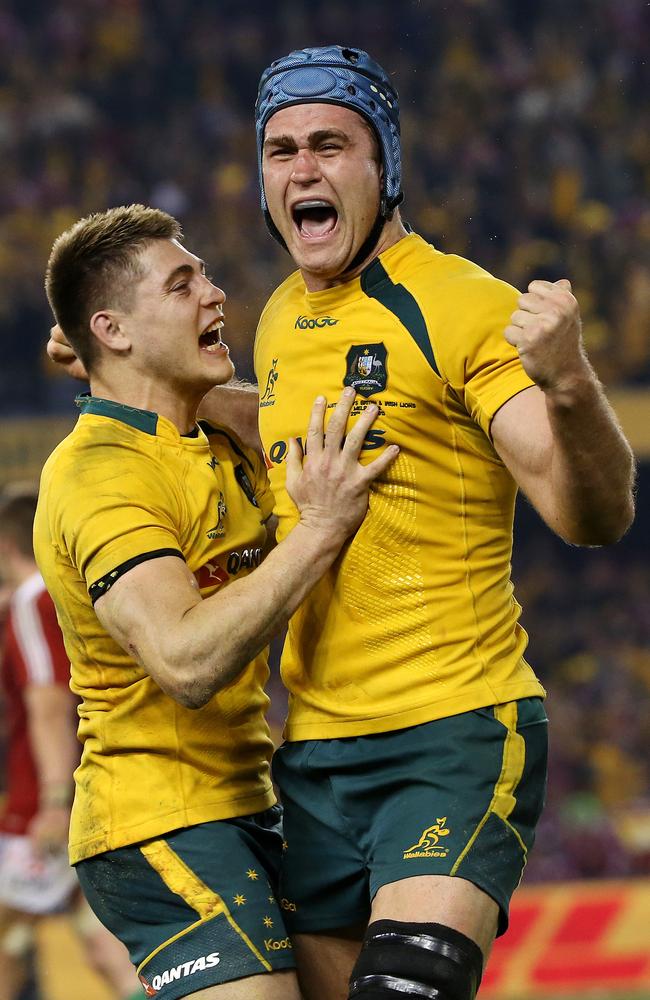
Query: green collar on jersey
(142, 420)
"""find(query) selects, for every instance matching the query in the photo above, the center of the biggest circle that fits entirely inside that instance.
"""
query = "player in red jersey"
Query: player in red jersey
(41, 753)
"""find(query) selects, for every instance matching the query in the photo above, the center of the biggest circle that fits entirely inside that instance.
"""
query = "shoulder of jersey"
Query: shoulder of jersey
(289, 287)
(459, 269)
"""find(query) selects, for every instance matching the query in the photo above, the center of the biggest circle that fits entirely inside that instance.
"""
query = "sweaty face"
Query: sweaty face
(175, 323)
(322, 183)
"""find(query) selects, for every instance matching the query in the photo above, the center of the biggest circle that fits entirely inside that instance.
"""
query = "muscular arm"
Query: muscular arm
(561, 439)
(194, 647)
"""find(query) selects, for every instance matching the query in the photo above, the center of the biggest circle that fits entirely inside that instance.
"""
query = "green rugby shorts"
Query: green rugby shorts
(196, 907)
(459, 796)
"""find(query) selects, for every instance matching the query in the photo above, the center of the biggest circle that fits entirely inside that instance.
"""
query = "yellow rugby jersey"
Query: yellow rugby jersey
(417, 619)
(124, 487)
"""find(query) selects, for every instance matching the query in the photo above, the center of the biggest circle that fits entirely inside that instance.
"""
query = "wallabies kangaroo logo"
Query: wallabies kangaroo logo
(219, 531)
(428, 842)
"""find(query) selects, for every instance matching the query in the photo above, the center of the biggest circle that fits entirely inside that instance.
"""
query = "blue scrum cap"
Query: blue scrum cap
(332, 74)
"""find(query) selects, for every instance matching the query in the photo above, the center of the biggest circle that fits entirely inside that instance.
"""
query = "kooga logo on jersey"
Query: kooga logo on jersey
(304, 323)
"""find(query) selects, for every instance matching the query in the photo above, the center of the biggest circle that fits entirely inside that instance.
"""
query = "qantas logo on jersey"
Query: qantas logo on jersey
(305, 323)
(245, 559)
(375, 438)
(180, 972)
(365, 368)
(210, 575)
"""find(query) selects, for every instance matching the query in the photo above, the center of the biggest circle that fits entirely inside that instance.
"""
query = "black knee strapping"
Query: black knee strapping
(429, 961)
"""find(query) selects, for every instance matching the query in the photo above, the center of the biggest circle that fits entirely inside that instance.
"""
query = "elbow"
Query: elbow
(188, 692)
(625, 522)
(193, 698)
(602, 531)
(191, 690)
(182, 684)
(193, 686)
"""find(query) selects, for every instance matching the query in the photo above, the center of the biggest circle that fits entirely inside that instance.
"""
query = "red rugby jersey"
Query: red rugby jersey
(33, 654)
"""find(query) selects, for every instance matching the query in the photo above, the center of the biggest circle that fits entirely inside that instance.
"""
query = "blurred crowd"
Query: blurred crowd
(526, 134)
(526, 137)
(587, 613)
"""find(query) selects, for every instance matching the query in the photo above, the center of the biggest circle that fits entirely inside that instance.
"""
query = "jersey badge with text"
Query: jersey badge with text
(268, 396)
(366, 369)
(219, 529)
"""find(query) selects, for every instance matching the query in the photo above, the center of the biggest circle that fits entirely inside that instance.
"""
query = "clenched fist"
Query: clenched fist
(547, 332)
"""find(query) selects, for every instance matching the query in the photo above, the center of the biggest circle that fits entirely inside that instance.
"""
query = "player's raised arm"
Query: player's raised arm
(561, 439)
(194, 647)
(234, 405)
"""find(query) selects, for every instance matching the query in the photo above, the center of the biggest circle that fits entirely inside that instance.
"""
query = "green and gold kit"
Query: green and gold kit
(122, 488)
(417, 619)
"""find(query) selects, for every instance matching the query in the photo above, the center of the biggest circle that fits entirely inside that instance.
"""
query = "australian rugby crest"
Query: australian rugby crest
(366, 368)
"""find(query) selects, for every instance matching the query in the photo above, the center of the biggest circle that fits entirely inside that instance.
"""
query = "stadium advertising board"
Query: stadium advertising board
(575, 939)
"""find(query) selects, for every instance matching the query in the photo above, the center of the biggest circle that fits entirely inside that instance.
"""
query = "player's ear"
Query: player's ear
(105, 325)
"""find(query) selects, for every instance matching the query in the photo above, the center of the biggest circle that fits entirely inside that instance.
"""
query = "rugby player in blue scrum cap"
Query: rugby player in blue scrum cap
(413, 771)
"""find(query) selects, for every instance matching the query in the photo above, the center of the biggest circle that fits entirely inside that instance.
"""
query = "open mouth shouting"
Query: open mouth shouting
(210, 339)
(314, 218)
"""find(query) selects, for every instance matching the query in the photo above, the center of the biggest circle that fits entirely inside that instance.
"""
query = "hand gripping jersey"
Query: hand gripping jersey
(124, 487)
(417, 619)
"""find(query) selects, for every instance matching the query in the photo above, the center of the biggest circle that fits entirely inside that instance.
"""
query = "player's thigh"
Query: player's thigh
(16, 940)
(9, 917)
(16, 936)
(440, 899)
(324, 874)
(277, 986)
(325, 962)
(460, 823)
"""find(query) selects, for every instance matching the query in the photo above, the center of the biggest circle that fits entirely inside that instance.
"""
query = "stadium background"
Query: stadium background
(526, 139)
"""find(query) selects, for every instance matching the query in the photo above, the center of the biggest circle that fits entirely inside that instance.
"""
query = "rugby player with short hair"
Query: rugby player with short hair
(413, 771)
(149, 533)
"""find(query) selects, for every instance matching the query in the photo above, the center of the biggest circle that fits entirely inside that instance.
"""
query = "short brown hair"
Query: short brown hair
(17, 510)
(95, 265)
